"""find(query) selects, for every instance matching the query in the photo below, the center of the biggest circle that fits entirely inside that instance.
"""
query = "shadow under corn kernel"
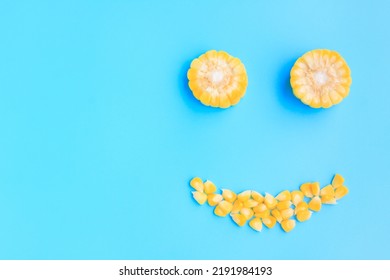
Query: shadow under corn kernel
(285, 94)
(186, 93)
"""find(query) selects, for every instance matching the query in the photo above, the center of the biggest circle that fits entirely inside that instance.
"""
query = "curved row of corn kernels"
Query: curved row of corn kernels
(251, 206)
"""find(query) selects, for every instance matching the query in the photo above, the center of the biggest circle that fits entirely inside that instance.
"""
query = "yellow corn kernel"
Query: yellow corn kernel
(337, 181)
(278, 216)
(315, 204)
(214, 198)
(283, 196)
(340, 192)
(250, 203)
(223, 208)
(200, 197)
(229, 195)
(197, 184)
(288, 225)
(269, 221)
(315, 188)
(257, 197)
(303, 215)
(296, 197)
(237, 206)
(306, 189)
(263, 214)
(256, 224)
(320, 78)
(287, 213)
(238, 219)
(244, 196)
(260, 208)
(209, 187)
(283, 205)
(328, 199)
(302, 206)
(327, 190)
(217, 79)
(270, 201)
(247, 213)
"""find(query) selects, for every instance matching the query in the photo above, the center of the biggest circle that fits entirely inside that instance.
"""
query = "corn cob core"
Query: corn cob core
(217, 79)
(320, 78)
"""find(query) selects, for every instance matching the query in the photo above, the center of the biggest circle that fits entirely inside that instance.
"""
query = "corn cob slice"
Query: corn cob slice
(217, 79)
(320, 78)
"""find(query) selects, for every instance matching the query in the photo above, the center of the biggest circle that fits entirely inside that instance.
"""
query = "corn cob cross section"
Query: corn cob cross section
(217, 79)
(320, 78)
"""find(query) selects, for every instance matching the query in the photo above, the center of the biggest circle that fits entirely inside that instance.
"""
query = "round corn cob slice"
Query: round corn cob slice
(217, 79)
(320, 78)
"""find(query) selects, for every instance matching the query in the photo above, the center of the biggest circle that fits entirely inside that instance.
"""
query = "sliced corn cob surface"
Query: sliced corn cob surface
(217, 79)
(257, 209)
(320, 78)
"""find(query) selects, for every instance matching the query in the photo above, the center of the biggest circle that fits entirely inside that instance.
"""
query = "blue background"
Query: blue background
(100, 134)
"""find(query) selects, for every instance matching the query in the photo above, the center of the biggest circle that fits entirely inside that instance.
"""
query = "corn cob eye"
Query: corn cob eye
(320, 78)
(217, 79)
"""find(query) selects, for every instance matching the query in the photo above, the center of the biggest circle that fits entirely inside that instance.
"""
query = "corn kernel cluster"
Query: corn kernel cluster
(257, 209)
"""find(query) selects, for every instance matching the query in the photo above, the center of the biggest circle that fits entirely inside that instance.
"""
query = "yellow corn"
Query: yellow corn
(337, 181)
(302, 206)
(209, 187)
(237, 206)
(197, 184)
(328, 199)
(260, 208)
(327, 195)
(200, 197)
(283, 196)
(214, 198)
(269, 221)
(303, 215)
(320, 78)
(238, 219)
(256, 224)
(263, 214)
(244, 196)
(306, 189)
(217, 79)
(340, 192)
(288, 225)
(315, 188)
(258, 197)
(327, 190)
(283, 205)
(296, 197)
(270, 201)
(253, 207)
(287, 213)
(229, 195)
(315, 204)
(250, 203)
(223, 208)
(247, 213)
(278, 216)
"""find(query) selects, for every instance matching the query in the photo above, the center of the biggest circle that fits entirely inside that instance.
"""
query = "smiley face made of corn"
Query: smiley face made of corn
(320, 79)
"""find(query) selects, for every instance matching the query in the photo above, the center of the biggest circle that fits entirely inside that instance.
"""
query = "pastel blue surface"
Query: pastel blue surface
(100, 134)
